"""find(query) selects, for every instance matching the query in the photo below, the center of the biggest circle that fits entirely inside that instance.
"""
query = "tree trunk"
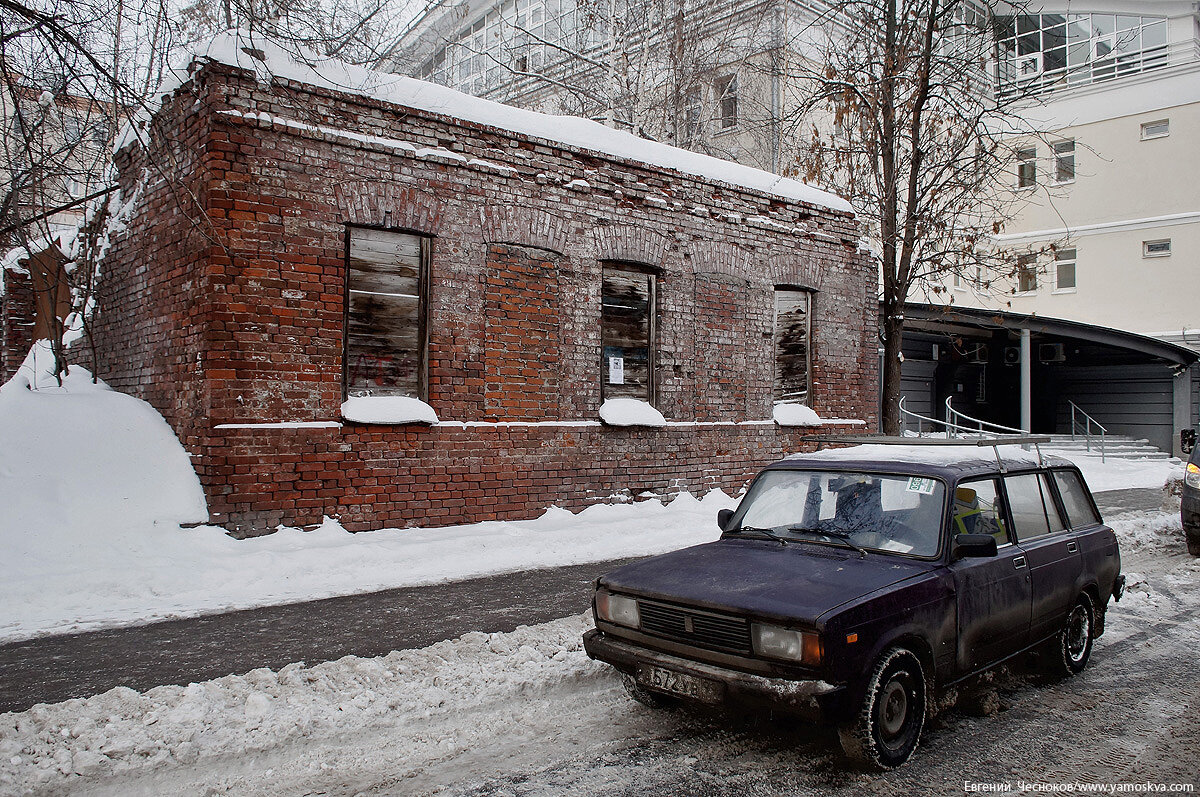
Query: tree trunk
(893, 326)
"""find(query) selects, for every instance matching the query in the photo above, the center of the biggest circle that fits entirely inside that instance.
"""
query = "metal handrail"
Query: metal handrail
(951, 429)
(956, 416)
(1088, 422)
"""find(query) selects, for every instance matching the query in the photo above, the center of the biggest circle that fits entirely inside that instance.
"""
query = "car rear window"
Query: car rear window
(1033, 511)
(1080, 511)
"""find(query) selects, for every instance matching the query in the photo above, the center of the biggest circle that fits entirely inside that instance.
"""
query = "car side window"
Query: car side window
(1080, 511)
(978, 510)
(1033, 510)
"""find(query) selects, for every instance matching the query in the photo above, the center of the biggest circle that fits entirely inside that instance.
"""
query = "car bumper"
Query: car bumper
(813, 700)
(1189, 512)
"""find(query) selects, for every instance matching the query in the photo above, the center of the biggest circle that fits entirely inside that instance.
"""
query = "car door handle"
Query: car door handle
(1072, 547)
(1019, 562)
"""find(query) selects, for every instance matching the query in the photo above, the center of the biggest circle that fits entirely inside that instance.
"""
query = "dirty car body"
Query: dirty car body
(849, 586)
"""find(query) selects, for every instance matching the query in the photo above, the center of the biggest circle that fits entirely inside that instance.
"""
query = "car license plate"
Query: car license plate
(678, 683)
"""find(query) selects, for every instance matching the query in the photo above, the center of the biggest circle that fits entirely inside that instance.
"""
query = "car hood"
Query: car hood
(799, 581)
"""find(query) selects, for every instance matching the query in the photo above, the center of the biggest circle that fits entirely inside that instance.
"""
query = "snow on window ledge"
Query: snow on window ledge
(630, 412)
(388, 409)
(791, 414)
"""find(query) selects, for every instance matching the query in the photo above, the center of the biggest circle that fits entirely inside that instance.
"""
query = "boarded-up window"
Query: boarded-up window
(791, 345)
(627, 333)
(385, 326)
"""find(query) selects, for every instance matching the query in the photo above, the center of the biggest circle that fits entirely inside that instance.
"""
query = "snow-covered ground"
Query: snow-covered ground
(412, 720)
(94, 487)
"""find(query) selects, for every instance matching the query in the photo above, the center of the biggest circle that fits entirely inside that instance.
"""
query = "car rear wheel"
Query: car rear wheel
(1193, 544)
(1072, 646)
(885, 731)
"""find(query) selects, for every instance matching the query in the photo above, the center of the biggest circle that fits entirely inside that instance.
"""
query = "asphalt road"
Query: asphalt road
(52, 669)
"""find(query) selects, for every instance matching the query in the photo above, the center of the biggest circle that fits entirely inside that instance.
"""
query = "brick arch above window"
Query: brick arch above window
(629, 244)
(522, 226)
(721, 257)
(785, 268)
(374, 204)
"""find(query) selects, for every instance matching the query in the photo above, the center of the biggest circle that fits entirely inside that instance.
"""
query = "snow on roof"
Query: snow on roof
(926, 455)
(268, 59)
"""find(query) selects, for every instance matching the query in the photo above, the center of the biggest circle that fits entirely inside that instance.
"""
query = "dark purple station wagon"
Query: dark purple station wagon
(854, 584)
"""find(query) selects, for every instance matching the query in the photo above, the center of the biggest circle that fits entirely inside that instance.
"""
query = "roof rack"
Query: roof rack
(897, 440)
(1035, 440)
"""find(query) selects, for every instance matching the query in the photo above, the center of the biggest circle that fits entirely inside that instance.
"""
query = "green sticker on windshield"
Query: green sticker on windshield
(916, 484)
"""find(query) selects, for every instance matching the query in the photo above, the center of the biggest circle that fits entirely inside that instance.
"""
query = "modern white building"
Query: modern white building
(1111, 232)
(1105, 253)
(706, 76)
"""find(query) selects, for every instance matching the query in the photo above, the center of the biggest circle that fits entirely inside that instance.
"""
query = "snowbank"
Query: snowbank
(80, 457)
(488, 678)
(269, 60)
(388, 409)
(630, 412)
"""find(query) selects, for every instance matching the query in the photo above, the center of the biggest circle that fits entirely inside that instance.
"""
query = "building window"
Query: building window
(386, 280)
(727, 101)
(1027, 167)
(792, 314)
(627, 327)
(1043, 52)
(1064, 161)
(1064, 270)
(1026, 273)
(1159, 129)
(1156, 248)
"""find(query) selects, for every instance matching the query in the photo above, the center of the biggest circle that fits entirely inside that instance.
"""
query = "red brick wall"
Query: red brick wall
(17, 315)
(521, 335)
(224, 301)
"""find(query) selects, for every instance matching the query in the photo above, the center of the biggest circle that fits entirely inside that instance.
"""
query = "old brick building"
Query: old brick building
(286, 243)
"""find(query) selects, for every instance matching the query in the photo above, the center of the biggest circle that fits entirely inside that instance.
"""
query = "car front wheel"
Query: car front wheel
(1072, 647)
(885, 731)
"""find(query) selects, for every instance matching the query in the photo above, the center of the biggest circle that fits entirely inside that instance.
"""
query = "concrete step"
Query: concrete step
(1115, 447)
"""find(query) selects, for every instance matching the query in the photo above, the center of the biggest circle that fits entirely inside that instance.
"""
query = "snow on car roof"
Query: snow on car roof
(269, 59)
(958, 457)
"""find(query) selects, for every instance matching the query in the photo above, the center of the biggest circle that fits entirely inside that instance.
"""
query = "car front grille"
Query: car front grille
(695, 627)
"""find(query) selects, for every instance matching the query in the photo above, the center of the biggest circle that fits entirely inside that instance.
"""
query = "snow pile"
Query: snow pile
(388, 409)
(51, 746)
(1148, 531)
(269, 60)
(630, 412)
(792, 414)
(1139, 594)
(114, 572)
(80, 458)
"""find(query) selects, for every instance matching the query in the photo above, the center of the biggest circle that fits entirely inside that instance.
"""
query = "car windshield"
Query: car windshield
(875, 512)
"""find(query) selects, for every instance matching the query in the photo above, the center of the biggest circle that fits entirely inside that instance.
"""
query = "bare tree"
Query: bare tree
(668, 70)
(913, 133)
(72, 72)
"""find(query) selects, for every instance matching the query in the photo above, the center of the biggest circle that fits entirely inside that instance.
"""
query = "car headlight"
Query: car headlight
(785, 643)
(618, 609)
(1191, 476)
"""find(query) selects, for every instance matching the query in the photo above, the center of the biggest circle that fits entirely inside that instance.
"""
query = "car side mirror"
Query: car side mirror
(723, 518)
(974, 545)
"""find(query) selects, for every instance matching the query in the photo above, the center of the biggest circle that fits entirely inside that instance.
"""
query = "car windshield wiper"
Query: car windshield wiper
(840, 536)
(765, 532)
